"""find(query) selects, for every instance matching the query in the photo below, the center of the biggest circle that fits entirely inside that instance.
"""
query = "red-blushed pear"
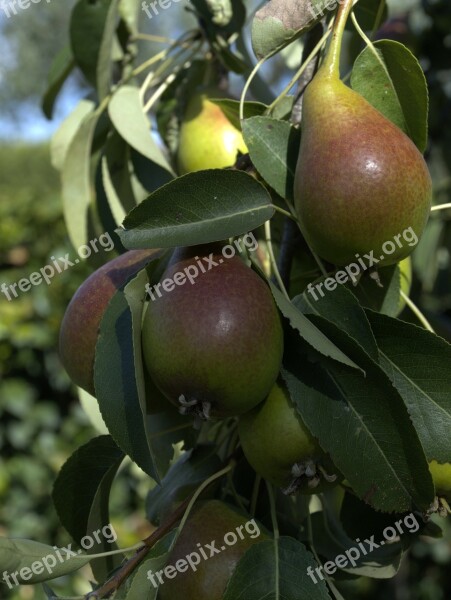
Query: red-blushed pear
(360, 181)
(81, 322)
(213, 346)
(280, 448)
(208, 140)
(217, 523)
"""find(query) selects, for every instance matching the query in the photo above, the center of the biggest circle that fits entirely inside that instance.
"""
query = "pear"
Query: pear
(212, 343)
(214, 526)
(81, 322)
(208, 140)
(360, 181)
(293, 460)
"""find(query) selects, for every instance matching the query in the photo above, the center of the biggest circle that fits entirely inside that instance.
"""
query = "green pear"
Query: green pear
(208, 140)
(213, 523)
(81, 322)
(360, 181)
(278, 446)
(213, 344)
(441, 476)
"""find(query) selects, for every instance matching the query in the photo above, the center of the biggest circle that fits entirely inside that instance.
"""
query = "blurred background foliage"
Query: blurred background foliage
(41, 420)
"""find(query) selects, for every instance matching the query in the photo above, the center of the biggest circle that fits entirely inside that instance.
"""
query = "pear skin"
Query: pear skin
(360, 181)
(208, 140)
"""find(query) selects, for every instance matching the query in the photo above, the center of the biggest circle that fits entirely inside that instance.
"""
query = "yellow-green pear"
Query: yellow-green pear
(208, 140)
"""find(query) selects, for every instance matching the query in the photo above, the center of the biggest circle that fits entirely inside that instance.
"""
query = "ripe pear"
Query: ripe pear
(208, 140)
(212, 345)
(81, 322)
(360, 181)
(212, 523)
(278, 446)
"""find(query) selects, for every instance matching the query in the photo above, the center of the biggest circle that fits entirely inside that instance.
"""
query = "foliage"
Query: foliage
(373, 389)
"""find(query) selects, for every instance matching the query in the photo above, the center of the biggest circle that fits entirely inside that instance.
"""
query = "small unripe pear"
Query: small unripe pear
(208, 140)
(441, 476)
(81, 322)
(278, 446)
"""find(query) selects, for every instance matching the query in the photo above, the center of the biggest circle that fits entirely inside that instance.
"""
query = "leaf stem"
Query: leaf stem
(272, 258)
(285, 213)
(441, 207)
(248, 83)
(417, 312)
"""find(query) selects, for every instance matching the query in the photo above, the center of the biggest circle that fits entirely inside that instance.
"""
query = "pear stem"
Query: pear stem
(331, 64)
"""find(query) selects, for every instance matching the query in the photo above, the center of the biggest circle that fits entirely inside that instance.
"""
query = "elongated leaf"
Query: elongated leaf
(41, 562)
(81, 497)
(62, 67)
(105, 57)
(87, 26)
(76, 181)
(274, 148)
(418, 364)
(276, 569)
(362, 422)
(198, 208)
(342, 308)
(116, 386)
(63, 137)
(391, 79)
(126, 113)
(308, 330)
(164, 426)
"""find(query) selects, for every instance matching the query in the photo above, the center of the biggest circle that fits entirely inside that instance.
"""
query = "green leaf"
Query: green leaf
(280, 22)
(391, 79)
(81, 497)
(63, 137)
(106, 51)
(60, 70)
(308, 330)
(116, 386)
(274, 148)
(126, 113)
(231, 109)
(362, 422)
(76, 181)
(91, 39)
(142, 587)
(275, 569)
(198, 208)
(418, 363)
(183, 478)
(164, 426)
(41, 562)
(342, 308)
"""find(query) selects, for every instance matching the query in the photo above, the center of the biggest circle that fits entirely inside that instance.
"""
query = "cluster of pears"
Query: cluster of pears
(360, 181)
